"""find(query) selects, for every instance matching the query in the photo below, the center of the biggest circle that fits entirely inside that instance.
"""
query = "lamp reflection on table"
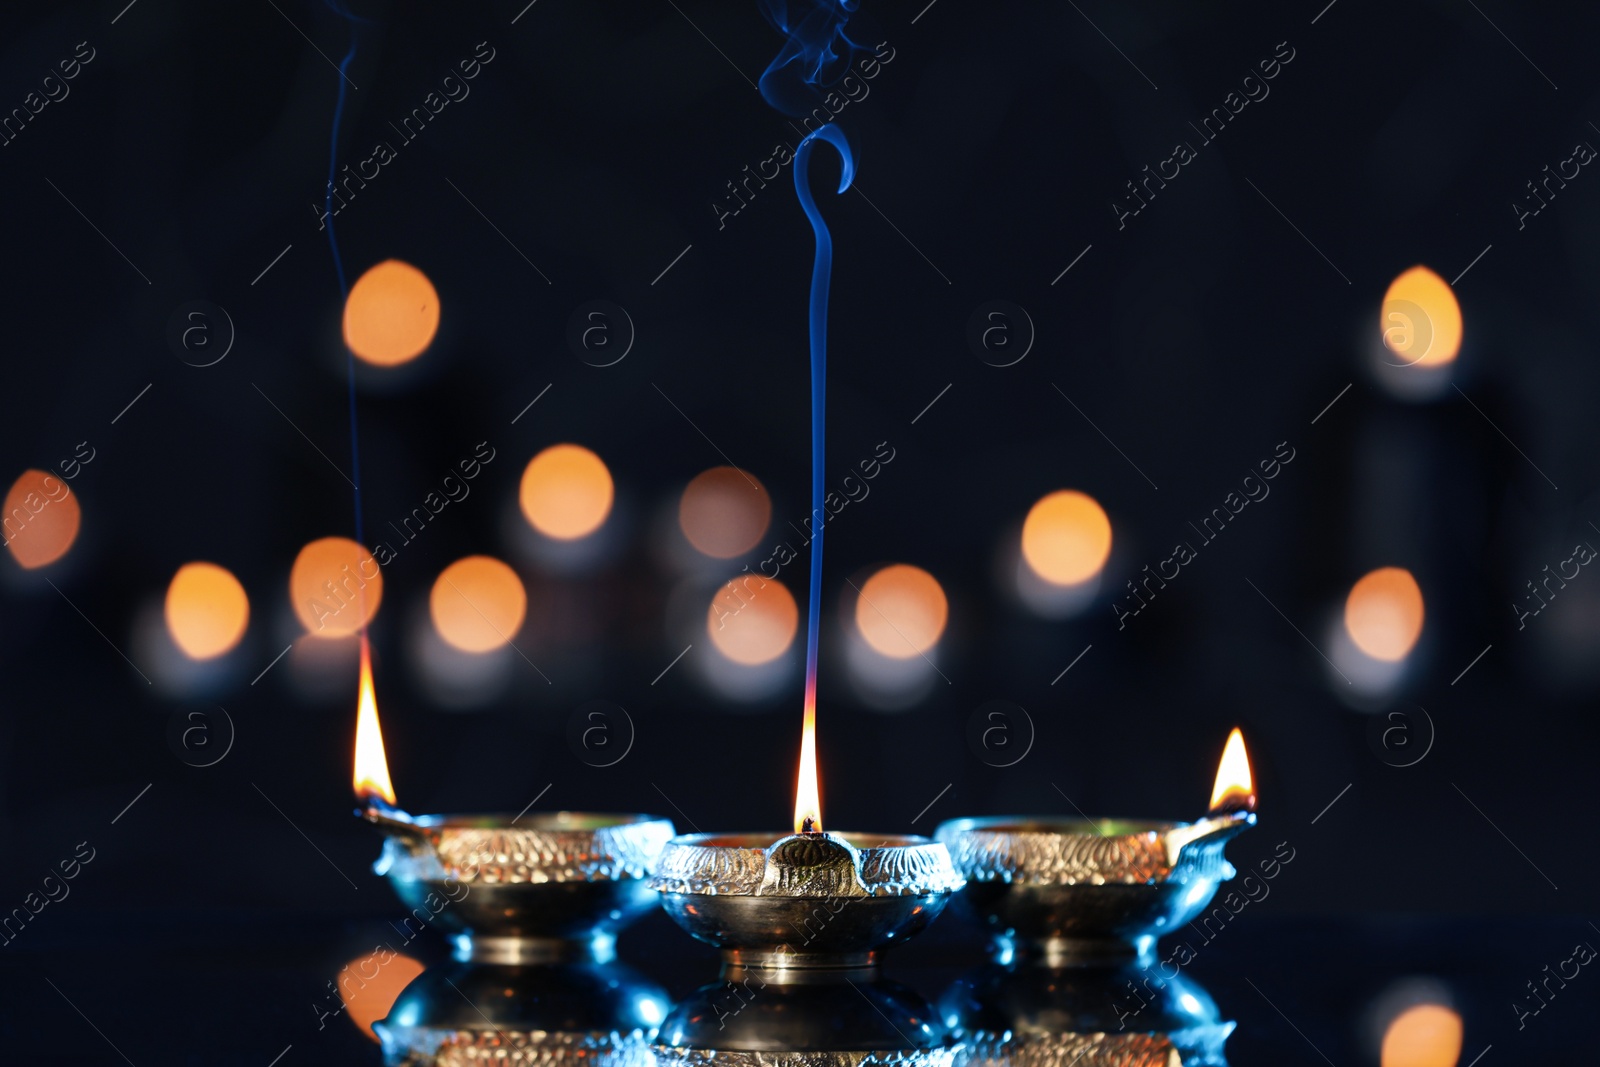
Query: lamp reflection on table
(1121, 1015)
(846, 1019)
(1004, 1014)
(601, 1014)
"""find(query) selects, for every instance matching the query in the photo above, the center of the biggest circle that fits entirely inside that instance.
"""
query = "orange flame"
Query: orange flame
(807, 792)
(371, 766)
(1235, 789)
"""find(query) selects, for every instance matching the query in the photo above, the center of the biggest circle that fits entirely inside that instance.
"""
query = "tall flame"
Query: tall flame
(371, 766)
(1235, 788)
(807, 791)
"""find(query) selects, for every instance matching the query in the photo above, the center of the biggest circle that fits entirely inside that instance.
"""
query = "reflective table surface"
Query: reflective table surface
(217, 989)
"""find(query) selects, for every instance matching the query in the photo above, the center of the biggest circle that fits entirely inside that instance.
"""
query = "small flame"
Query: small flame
(807, 792)
(371, 766)
(1235, 788)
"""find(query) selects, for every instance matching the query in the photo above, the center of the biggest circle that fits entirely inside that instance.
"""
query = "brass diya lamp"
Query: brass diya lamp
(554, 887)
(812, 900)
(537, 888)
(802, 920)
(1090, 892)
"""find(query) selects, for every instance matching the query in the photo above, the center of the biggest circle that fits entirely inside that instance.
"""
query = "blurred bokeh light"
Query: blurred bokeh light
(368, 999)
(478, 604)
(901, 611)
(1383, 613)
(1066, 537)
(752, 621)
(41, 519)
(724, 511)
(391, 314)
(335, 587)
(566, 492)
(207, 610)
(1427, 1035)
(1421, 320)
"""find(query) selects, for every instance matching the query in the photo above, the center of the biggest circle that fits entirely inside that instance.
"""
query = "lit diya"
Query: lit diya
(541, 887)
(810, 901)
(1083, 892)
(802, 920)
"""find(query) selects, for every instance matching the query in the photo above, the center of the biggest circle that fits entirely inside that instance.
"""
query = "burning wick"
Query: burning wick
(1235, 787)
(371, 775)
(807, 793)
(807, 798)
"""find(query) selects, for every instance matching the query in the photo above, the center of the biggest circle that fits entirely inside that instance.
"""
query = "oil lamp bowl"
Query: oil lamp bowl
(1076, 892)
(804, 903)
(543, 887)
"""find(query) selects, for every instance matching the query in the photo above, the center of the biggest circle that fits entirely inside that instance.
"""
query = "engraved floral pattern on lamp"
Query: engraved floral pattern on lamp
(797, 866)
(509, 855)
(924, 869)
(529, 1048)
(811, 865)
(1045, 856)
(692, 869)
(688, 1057)
(1080, 1049)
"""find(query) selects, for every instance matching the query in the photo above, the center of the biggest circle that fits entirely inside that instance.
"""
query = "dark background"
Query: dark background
(1197, 338)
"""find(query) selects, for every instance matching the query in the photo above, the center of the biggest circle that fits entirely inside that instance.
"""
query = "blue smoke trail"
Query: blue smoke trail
(815, 53)
(338, 262)
(821, 274)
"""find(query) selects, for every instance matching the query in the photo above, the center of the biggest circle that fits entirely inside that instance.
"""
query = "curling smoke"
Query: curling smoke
(816, 55)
